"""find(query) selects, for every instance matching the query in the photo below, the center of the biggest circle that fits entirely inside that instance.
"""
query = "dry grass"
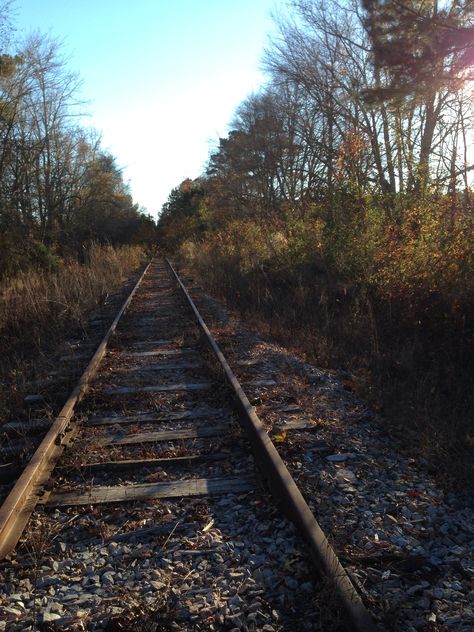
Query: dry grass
(414, 368)
(35, 305)
(40, 311)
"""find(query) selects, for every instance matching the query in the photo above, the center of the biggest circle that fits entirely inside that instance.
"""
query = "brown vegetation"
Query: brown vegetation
(39, 311)
(411, 361)
(339, 210)
(34, 306)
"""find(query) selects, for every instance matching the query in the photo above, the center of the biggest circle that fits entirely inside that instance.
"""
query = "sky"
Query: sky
(162, 78)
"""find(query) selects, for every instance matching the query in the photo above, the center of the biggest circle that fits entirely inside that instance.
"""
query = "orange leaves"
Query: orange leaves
(430, 251)
(350, 154)
(279, 438)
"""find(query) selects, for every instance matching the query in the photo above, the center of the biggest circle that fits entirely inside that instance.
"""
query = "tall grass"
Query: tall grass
(35, 306)
(391, 303)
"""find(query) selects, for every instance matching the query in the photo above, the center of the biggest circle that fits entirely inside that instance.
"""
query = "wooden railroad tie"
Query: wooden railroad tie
(217, 430)
(159, 352)
(149, 491)
(159, 388)
(194, 413)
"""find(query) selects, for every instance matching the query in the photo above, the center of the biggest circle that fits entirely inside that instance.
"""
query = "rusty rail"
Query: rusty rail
(286, 492)
(21, 502)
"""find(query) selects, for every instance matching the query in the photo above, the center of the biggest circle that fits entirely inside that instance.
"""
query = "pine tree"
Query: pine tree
(420, 46)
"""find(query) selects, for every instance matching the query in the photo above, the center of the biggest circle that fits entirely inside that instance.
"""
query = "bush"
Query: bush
(390, 300)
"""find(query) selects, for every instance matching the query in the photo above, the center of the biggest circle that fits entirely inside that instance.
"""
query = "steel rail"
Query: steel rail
(22, 499)
(285, 490)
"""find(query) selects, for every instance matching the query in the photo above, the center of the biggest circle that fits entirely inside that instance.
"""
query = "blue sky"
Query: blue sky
(163, 77)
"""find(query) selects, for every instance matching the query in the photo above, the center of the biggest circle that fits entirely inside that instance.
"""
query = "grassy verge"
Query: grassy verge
(411, 360)
(36, 306)
(41, 311)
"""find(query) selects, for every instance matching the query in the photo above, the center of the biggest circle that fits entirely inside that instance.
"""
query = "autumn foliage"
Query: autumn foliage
(339, 210)
(390, 301)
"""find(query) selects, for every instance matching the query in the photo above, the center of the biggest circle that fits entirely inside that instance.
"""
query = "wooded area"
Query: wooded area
(70, 233)
(59, 190)
(340, 205)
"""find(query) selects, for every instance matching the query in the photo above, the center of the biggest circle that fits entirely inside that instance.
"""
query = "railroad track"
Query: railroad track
(159, 447)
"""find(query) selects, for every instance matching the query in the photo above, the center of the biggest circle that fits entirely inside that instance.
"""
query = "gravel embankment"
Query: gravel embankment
(407, 542)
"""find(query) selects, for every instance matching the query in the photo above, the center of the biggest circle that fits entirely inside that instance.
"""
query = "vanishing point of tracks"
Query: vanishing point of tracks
(159, 443)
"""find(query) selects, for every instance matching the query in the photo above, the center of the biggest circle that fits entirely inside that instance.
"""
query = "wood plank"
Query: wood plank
(80, 344)
(132, 464)
(160, 317)
(143, 343)
(16, 450)
(160, 388)
(296, 424)
(166, 366)
(148, 491)
(30, 427)
(76, 357)
(159, 352)
(9, 471)
(260, 383)
(165, 435)
(195, 413)
(251, 362)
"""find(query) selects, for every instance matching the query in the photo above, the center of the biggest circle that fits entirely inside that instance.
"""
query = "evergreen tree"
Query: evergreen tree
(421, 46)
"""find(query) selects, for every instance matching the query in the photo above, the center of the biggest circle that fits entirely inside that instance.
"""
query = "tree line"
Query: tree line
(59, 189)
(366, 102)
